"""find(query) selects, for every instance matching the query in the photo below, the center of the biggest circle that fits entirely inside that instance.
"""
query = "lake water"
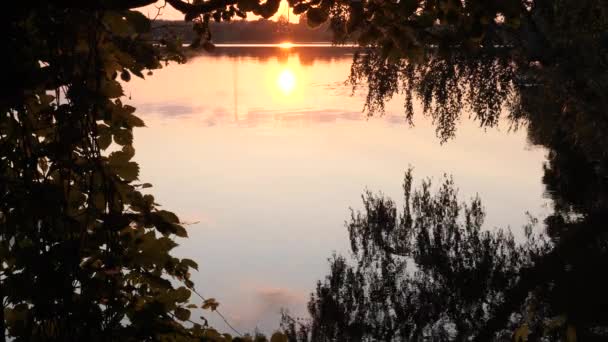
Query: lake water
(263, 150)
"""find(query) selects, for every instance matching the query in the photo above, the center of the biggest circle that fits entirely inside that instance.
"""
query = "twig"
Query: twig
(218, 312)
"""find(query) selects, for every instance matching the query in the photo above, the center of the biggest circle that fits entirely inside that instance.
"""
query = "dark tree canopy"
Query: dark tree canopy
(534, 65)
(85, 251)
(430, 270)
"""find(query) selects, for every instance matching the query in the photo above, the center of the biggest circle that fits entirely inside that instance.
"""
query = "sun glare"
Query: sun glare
(286, 81)
(286, 45)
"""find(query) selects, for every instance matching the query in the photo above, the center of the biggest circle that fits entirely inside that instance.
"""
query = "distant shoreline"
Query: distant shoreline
(246, 32)
(282, 44)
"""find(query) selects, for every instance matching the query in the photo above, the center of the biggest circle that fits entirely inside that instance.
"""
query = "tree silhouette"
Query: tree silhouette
(85, 251)
(426, 271)
(543, 63)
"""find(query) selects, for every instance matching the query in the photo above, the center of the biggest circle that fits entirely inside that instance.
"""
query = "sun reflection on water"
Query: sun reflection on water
(286, 81)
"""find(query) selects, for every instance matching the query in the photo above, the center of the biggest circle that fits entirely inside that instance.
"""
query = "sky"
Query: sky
(169, 13)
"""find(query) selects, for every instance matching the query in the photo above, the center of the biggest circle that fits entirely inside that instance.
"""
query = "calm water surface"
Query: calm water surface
(264, 150)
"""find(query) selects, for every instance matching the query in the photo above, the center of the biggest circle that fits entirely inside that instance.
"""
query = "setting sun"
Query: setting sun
(286, 45)
(286, 81)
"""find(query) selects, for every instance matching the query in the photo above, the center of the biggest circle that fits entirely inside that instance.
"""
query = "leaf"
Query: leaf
(241, 14)
(44, 165)
(180, 231)
(192, 306)
(182, 314)
(123, 137)
(134, 121)
(167, 223)
(99, 201)
(138, 21)
(117, 24)
(127, 171)
(278, 337)
(111, 88)
(316, 16)
(17, 315)
(125, 75)
(300, 8)
(168, 216)
(408, 7)
(212, 335)
(46, 99)
(210, 303)
(521, 333)
(104, 136)
(571, 333)
(182, 294)
(146, 185)
(190, 263)
(247, 5)
(122, 156)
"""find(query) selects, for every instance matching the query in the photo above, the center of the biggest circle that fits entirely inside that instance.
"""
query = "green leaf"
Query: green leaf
(247, 5)
(118, 24)
(138, 21)
(134, 121)
(408, 7)
(104, 136)
(278, 337)
(182, 294)
(111, 88)
(99, 201)
(123, 137)
(521, 333)
(182, 314)
(43, 164)
(190, 263)
(180, 231)
(127, 171)
(571, 333)
(316, 16)
(125, 75)
(168, 216)
(213, 335)
(122, 156)
(211, 304)
(300, 8)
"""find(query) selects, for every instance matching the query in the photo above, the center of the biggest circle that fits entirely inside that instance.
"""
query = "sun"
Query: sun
(286, 45)
(286, 81)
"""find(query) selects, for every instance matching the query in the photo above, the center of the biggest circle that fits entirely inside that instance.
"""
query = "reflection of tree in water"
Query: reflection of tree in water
(424, 275)
(426, 270)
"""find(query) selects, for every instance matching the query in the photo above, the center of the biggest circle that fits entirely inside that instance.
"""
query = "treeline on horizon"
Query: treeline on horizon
(247, 31)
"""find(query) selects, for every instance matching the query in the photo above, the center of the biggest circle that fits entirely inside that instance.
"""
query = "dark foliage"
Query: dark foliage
(85, 252)
(538, 65)
(247, 31)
